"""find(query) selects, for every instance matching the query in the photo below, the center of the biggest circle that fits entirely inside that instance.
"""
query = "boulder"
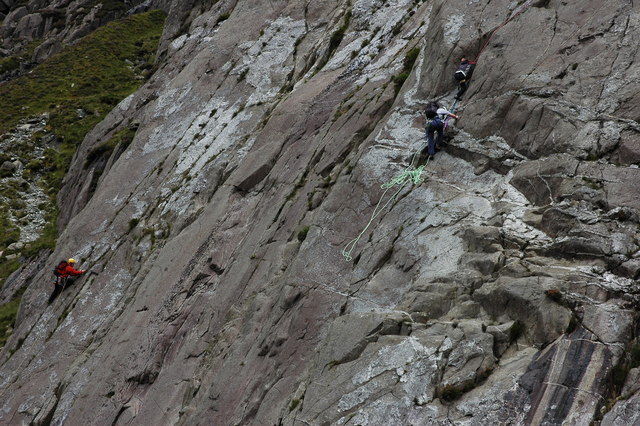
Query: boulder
(525, 300)
(15, 15)
(540, 181)
(628, 151)
(30, 26)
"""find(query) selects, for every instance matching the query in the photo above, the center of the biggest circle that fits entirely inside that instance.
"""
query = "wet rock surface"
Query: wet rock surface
(501, 289)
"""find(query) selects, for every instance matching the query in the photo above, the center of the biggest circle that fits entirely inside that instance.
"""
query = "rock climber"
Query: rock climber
(435, 126)
(65, 273)
(463, 75)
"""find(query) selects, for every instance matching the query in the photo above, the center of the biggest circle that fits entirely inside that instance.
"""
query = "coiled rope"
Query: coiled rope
(410, 174)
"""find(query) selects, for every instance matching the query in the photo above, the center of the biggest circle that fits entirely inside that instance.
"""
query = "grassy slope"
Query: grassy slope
(93, 76)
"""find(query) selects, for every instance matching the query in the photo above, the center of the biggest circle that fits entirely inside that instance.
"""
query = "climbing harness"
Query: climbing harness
(410, 174)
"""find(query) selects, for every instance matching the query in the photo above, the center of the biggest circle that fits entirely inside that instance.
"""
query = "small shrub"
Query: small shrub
(410, 58)
(398, 81)
(223, 17)
(407, 65)
(133, 223)
(592, 157)
(294, 404)
(338, 35)
(34, 165)
(450, 392)
(302, 234)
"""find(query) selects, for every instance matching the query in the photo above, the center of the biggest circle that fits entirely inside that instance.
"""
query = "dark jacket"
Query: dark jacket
(432, 109)
(465, 70)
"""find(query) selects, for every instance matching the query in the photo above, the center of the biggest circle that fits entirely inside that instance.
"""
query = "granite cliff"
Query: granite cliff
(501, 289)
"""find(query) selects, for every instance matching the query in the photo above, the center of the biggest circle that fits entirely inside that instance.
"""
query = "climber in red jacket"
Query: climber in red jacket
(63, 272)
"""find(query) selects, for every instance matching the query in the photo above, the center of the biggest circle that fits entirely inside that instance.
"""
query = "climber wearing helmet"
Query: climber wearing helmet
(63, 272)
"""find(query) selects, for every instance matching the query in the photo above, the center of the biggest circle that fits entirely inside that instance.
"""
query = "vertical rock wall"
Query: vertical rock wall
(499, 290)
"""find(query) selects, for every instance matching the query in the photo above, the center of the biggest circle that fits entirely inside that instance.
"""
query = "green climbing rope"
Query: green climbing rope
(410, 174)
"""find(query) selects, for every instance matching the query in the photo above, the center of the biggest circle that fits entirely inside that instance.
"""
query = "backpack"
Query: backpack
(464, 71)
(432, 110)
(58, 271)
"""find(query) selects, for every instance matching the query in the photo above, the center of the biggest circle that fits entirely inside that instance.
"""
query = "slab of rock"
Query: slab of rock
(525, 300)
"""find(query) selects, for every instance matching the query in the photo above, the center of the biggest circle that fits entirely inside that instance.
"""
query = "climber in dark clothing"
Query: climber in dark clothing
(65, 274)
(435, 126)
(463, 75)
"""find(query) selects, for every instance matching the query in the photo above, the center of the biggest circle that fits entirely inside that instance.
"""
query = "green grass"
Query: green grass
(133, 223)
(11, 63)
(336, 39)
(93, 76)
(10, 233)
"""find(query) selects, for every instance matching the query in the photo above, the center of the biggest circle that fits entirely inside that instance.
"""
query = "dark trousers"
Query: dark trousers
(61, 284)
(434, 132)
(433, 142)
(462, 87)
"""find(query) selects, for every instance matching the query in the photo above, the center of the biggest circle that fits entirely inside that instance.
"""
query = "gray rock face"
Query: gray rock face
(500, 289)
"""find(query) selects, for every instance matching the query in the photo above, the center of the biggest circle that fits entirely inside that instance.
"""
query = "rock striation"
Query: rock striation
(502, 289)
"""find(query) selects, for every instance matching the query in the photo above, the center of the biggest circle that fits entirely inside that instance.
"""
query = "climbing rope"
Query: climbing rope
(410, 174)
(523, 8)
(452, 110)
(518, 12)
